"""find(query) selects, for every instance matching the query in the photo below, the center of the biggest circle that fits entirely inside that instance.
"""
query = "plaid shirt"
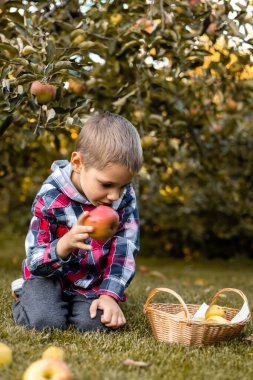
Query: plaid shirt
(106, 269)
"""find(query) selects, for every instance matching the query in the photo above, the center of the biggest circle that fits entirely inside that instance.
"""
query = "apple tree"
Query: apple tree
(181, 71)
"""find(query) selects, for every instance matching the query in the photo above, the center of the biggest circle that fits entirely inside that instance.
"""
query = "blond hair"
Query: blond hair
(108, 138)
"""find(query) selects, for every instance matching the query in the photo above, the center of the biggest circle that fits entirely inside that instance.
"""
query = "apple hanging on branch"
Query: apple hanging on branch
(44, 92)
(76, 86)
(105, 222)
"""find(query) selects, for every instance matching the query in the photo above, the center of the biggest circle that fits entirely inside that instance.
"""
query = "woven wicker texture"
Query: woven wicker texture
(167, 326)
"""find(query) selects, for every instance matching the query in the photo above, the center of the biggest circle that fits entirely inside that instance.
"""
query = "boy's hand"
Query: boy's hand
(75, 237)
(112, 314)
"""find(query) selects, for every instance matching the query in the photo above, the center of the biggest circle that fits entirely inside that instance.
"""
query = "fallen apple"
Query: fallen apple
(5, 355)
(53, 352)
(143, 268)
(44, 92)
(48, 369)
(214, 310)
(217, 319)
(105, 222)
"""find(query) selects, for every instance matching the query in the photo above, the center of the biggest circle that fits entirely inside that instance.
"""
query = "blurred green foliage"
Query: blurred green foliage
(181, 71)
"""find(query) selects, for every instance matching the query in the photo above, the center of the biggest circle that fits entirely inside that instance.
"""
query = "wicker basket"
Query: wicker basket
(167, 326)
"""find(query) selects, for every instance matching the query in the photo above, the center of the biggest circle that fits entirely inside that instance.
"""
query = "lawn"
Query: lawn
(101, 356)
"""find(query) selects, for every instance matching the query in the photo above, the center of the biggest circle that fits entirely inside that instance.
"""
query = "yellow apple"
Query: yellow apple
(214, 310)
(53, 352)
(217, 319)
(5, 354)
(78, 39)
(48, 369)
(116, 18)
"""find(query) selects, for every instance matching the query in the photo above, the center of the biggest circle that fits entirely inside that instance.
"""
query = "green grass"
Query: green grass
(100, 356)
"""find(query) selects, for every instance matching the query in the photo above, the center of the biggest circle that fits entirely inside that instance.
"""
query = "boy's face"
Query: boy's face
(100, 187)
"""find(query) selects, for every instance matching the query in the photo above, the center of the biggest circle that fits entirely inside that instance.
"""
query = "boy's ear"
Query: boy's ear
(76, 162)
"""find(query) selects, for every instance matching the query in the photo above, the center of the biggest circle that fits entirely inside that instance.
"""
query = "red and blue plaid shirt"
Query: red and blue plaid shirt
(106, 269)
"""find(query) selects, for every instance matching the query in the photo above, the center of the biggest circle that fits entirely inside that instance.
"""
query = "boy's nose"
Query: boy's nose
(113, 196)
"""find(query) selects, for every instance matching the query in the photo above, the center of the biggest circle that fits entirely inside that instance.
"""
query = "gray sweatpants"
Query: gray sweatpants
(42, 304)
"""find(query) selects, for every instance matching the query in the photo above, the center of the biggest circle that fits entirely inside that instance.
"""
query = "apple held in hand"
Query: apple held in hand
(44, 92)
(5, 355)
(105, 222)
(214, 310)
(48, 369)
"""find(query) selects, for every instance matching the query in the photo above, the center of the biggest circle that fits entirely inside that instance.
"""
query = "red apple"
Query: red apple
(193, 2)
(105, 222)
(44, 92)
(76, 86)
(48, 369)
(143, 268)
(211, 29)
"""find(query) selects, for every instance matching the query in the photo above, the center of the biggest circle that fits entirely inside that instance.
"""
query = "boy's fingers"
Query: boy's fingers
(113, 322)
(93, 308)
(82, 218)
(106, 317)
(85, 247)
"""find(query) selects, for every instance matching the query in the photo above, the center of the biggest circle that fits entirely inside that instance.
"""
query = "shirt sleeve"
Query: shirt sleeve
(41, 241)
(125, 244)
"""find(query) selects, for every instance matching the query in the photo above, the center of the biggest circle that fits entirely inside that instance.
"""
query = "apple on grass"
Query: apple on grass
(48, 369)
(5, 355)
(53, 352)
(105, 222)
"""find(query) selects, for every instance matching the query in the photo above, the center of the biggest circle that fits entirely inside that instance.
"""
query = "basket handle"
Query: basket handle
(167, 290)
(229, 290)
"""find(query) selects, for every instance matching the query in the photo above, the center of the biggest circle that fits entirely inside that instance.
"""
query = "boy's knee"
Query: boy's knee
(38, 321)
(42, 322)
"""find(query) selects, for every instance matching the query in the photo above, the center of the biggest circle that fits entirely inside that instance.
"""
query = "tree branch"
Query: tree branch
(5, 125)
(49, 13)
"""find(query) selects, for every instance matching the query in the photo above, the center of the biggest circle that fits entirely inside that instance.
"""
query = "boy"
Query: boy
(70, 278)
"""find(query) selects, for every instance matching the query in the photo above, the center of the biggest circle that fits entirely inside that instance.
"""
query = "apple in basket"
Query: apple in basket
(215, 310)
(217, 319)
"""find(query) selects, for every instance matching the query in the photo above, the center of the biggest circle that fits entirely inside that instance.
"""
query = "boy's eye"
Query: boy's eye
(106, 185)
(109, 185)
